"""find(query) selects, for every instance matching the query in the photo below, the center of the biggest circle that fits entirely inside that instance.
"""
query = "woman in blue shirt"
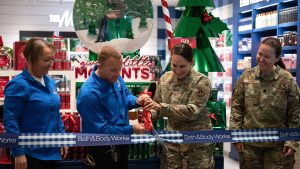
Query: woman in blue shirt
(32, 105)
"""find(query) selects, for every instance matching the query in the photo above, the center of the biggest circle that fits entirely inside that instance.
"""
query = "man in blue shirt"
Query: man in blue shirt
(103, 103)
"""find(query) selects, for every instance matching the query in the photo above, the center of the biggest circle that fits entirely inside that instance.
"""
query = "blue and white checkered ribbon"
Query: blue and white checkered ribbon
(179, 137)
(46, 140)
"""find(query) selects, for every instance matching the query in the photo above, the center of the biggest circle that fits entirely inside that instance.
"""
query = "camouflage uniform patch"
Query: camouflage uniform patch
(201, 94)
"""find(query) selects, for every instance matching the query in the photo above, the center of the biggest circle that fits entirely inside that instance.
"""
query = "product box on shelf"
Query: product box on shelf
(72, 123)
(3, 82)
(217, 114)
(5, 58)
(19, 59)
(4, 152)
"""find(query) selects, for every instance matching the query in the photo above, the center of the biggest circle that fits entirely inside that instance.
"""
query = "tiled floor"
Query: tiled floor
(230, 163)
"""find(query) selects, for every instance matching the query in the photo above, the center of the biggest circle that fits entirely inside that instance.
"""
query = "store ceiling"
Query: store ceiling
(155, 2)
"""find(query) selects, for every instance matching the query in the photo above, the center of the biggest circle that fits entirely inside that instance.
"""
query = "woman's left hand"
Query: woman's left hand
(150, 104)
(288, 151)
(64, 152)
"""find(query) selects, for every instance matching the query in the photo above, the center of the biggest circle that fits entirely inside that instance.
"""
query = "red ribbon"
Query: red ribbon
(67, 116)
(147, 116)
(58, 37)
(212, 116)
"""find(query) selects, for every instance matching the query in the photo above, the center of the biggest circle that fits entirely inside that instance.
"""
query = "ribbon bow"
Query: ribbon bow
(207, 17)
(57, 37)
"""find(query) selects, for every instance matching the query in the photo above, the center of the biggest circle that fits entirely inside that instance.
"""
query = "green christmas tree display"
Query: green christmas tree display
(197, 22)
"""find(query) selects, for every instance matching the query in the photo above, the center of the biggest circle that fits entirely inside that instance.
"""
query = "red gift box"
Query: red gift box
(76, 128)
(63, 55)
(57, 44)
(3, 82)
(19, 59)
(58, 65)
(67, 65)
(68, 121)
(4, 153)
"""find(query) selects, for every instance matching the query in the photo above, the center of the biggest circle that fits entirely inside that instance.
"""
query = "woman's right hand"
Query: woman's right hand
(138, 129)
(239, 147)
(20, 162)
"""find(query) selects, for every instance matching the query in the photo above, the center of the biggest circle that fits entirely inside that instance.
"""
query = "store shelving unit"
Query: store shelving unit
(69, 73)
(255, 34)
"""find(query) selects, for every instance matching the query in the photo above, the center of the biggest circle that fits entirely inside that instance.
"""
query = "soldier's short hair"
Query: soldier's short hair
(276, 45)
(183, 50)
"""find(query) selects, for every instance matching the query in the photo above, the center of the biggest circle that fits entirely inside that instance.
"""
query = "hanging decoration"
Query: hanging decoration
(125, 24)
(205, 25)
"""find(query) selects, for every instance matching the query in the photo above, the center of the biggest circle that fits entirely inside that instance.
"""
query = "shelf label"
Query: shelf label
(65, 19)
(244, 3)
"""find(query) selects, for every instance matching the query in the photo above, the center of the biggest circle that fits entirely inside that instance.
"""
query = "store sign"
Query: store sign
(191, 41)
(66, 19)
(135, 69)
(83, 70)
(250, 2)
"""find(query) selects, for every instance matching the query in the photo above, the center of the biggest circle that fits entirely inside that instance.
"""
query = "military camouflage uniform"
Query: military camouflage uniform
(184, 103)
(266, 102)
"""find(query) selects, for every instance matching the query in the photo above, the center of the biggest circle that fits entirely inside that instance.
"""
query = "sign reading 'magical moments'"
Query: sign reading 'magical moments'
(135, 69)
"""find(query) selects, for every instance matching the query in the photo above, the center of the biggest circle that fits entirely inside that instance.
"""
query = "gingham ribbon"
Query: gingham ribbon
(179, 137)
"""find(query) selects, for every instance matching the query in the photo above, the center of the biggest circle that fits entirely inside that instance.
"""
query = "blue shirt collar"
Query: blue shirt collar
(101, 82)
(28, 76)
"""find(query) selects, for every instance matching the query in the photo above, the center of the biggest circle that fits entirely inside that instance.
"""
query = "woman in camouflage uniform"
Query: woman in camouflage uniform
(181, 95)
(266, 96)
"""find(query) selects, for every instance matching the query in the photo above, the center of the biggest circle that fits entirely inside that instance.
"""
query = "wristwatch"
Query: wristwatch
(164, 109)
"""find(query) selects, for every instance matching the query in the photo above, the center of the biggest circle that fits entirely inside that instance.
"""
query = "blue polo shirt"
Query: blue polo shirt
(30, 107)
(104, 106)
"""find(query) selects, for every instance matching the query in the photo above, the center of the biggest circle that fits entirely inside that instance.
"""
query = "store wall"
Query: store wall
(29, 16)
(33, 15)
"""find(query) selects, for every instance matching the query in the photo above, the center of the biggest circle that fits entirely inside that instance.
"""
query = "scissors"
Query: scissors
(149, 126)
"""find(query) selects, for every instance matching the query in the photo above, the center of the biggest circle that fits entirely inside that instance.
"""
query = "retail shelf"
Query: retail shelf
(78, 53)
(9, 72)
(51, 72)
(292, 70)
(256, 35)
(287, 1)
(248, 52)
(288, 24)
(227, 93)
(287, 48)
(65, 110)
(270, 28)
(61, 72)
(240, 71)
(247, 32)
(227, 78)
